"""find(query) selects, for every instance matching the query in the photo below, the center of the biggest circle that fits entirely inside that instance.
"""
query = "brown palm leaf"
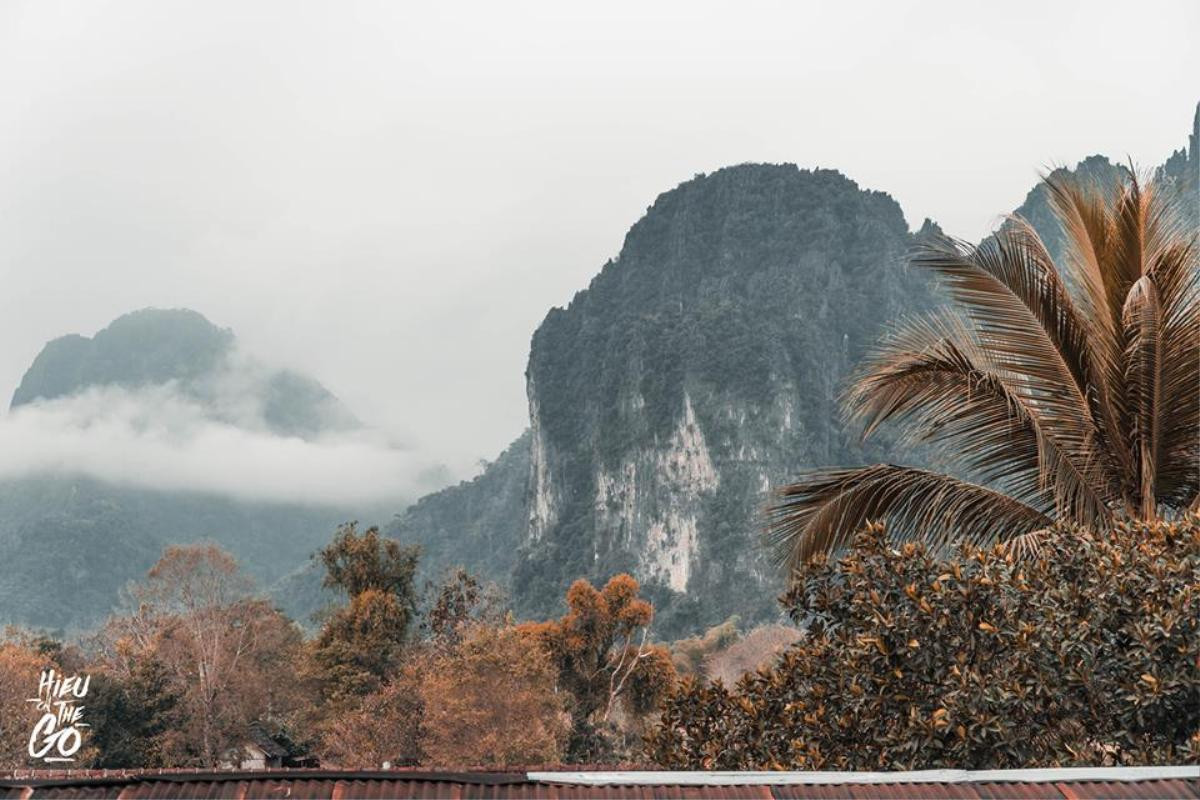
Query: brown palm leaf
(1076, 404)
(822, 513)
(933, 378)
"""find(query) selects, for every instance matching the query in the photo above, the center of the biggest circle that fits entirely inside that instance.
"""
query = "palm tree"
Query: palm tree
(1069, 391)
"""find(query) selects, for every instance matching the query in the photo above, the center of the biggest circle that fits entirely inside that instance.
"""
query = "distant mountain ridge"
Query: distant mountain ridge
(150, 346)
(153, 347)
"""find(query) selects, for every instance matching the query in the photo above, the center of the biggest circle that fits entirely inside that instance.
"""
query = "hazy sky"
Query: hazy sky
(390, 196)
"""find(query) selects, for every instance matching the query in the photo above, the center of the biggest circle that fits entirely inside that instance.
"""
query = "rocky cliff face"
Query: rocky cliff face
(699, 369)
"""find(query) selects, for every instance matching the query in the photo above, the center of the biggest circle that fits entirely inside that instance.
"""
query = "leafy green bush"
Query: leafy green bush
(1085, 652)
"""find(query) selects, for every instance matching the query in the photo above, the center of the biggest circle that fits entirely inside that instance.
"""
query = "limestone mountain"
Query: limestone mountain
(699, 368)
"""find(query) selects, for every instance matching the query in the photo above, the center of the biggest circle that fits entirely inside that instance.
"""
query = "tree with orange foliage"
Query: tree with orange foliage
(359, 647)
(490, 699)
(603, 661)
(20, 666)
(384, 728)
(472, 691)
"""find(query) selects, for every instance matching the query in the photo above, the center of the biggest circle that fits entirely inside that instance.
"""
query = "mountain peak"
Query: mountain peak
(179, 346)
(719, 203)
(144, 347)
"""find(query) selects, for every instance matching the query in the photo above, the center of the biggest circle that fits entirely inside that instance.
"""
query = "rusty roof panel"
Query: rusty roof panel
(1119, 790)
(72, 792)
(819, 791)
(875, 791)
(1018, 790)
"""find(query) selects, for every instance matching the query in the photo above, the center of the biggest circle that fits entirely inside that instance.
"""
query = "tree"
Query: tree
(359, 644)
(228, 655)
(386, 727)
(1070, 390)
(758, 648)
(465, 661)
(1086, 653)
(460, 600)
(129, 715)
(600, 652)
(690, 655)
(490, 699)
(356, 563)
(20, 667)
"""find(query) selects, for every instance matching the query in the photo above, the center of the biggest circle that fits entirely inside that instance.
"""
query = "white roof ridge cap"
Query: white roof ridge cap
(733, 778)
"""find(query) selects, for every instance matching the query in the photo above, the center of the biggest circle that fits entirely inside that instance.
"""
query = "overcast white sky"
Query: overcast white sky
(390, 196)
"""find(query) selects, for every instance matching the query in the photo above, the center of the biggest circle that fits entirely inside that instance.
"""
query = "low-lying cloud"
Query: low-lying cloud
(162, 438)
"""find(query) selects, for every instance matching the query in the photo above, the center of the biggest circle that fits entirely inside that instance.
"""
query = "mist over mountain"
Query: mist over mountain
(154, 347)
(159, 430)
(477, 524)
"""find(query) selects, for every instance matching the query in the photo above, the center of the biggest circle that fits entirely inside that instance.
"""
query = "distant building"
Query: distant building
(263, 751)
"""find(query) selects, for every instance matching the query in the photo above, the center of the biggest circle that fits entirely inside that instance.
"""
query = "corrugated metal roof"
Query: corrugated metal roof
(297, 784)
(1189, 789)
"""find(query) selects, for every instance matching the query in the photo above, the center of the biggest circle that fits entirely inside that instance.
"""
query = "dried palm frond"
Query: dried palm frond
(933, 378)
(821, 512)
